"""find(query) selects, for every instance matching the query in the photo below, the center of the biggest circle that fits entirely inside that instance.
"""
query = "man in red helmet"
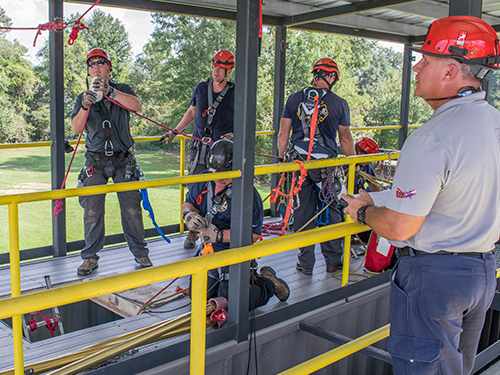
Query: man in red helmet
(109, 155)
(440, 214)
(212, 109)
(332, 117)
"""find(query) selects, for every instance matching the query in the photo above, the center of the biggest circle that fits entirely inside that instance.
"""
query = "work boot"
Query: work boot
(305, 271)
(144, 262)
(190, 241)
(334, 268)
(281, 289)
(88, 265)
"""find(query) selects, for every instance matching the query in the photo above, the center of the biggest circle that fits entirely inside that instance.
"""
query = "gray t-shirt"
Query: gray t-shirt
(449, 171)
(105, 110)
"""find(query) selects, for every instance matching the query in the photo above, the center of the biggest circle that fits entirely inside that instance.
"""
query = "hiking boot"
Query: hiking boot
(144, 262)
(88, 265)
(281, 289)
(305, 271)
(190, 241)
(334, 268)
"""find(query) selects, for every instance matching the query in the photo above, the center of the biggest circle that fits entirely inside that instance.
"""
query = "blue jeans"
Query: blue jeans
(93, 215)
(438, 307)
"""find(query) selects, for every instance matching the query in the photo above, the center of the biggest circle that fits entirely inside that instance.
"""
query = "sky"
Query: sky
(31, 13)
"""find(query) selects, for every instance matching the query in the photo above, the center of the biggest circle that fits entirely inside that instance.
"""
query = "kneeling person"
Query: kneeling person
(207, 211)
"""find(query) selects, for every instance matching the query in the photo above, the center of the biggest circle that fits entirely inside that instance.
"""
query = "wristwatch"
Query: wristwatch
(112, 93)
(361, 214)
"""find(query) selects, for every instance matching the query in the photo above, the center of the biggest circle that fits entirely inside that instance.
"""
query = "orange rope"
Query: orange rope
(296, 186)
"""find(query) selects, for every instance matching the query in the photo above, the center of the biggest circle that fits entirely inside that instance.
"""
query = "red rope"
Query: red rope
(166, 127)
(59, 202)
(51, 26)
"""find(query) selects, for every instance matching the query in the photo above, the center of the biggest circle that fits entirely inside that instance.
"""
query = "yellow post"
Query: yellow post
(183, 161)
(198, 322)
(347, 239)
(15, 281)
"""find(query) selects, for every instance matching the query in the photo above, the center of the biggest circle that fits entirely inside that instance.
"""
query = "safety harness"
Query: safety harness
(202, 148)
(215, 204)
(316, 149)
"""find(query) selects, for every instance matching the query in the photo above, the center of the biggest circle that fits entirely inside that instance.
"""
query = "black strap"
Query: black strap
(307, 122)
(215, 204)
(213, 104)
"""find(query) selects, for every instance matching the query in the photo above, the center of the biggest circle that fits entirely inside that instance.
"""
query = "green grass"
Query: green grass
(28, 170)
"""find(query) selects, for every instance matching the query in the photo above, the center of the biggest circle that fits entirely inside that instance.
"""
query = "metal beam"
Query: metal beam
(405, 96)
(245, 105)
(466, 8)
(342, 10)
(280, 47)
(337, 338)
(357, 32)
(57, 160)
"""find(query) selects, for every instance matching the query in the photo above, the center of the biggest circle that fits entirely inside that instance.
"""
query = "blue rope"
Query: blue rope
(147, 206)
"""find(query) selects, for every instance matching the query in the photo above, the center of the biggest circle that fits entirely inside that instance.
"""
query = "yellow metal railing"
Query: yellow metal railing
(19, 304)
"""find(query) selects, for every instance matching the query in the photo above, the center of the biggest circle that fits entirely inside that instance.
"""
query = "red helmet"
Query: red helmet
(367, 146)
(101, 53)
(467, 39)
(223, 59)
(326, 65)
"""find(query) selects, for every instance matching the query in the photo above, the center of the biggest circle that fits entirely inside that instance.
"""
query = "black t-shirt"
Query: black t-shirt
(223, 119)
(333, 112)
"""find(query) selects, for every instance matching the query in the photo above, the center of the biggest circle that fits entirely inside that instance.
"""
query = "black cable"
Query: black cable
(166, 311)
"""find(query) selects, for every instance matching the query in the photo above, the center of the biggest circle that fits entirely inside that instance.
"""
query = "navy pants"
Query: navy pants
(332, 250)
(93, 215)
(438, 307)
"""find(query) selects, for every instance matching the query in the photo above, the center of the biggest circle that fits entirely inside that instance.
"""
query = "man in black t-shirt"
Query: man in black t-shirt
(212, 109)
(333, 116)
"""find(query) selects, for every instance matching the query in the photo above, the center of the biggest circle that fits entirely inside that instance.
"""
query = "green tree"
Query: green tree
(5, 21)
(17, 86)
(175, 59)
(105, 31)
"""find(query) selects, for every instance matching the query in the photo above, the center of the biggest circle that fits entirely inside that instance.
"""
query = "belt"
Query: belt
(405, 251)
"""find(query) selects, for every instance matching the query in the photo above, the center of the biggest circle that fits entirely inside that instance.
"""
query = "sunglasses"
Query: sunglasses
(101, 62)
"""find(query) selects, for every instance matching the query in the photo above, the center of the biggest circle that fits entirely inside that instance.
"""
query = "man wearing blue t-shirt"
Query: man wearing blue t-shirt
(333, 116)
(207, 211)
(212, 109)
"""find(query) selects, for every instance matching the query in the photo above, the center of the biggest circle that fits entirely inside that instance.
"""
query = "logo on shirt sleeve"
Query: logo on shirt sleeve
(405, 194)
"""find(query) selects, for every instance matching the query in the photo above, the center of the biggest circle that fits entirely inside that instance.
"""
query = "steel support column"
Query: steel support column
(405, 96)
(466, 8)
(279, 97)
(247, 27)
(56, 73)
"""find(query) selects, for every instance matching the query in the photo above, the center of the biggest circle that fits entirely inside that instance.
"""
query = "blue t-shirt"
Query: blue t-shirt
(223, 119)
(360, 180)
(120, 134)
(333, 112)
(199, 193)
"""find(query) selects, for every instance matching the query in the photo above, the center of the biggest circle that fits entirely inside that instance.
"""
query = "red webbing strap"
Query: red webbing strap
(51, 323)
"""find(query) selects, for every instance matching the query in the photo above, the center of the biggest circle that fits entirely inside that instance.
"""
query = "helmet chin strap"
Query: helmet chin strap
(464, 91)
(322, 75)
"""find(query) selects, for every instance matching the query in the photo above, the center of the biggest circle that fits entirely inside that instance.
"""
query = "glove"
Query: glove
(100, 84)
(194, 221)
(169, 136)
(88, 99)
(209, 235)
(228, 136)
